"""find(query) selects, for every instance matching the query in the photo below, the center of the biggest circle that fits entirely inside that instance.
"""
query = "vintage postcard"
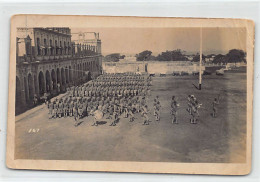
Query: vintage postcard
(130, 94)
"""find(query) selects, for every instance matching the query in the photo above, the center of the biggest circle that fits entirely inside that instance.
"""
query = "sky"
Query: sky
(157, 40)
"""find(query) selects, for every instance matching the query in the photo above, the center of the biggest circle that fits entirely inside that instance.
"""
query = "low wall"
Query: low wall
(173, 67)
(151, 67)
(109, 67)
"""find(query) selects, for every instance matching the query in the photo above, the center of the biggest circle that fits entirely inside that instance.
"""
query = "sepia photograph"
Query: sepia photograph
(152, 93)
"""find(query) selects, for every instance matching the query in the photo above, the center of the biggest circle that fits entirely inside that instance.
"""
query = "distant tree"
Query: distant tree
(196, 58)
(175, 55)
(112, 57)
(122, 57)
(235, 56)
(219, 59)
(210, 55)
(153, 58)
(143, 56)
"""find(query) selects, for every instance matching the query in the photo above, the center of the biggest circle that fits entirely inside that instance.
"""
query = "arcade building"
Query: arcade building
(48, 62)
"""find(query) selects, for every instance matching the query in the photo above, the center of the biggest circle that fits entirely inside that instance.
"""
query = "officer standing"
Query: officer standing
(214, 107)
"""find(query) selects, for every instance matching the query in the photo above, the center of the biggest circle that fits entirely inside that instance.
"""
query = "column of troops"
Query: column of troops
(110, 94)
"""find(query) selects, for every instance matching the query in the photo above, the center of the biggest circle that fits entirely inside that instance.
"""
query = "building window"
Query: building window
(45, 46)
(60, 48)
(38, 47)
(51, 47)
(65, 48)
(28, 48)
(69, 48)
(56, 47)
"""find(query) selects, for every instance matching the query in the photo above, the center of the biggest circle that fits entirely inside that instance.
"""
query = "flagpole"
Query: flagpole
(200, 76)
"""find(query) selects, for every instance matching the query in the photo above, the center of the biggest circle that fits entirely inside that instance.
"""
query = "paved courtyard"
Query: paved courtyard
(221, 139)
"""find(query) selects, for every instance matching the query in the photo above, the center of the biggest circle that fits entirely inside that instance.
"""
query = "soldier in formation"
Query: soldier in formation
(157, 106)
(113, 94)
(117, 95)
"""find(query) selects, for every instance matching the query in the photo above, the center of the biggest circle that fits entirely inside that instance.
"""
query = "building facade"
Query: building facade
(48, 62)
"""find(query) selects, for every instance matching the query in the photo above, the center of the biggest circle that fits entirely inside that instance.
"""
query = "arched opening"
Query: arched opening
(38, 43)
(26, 90)
(81, 70)
(67, 75)
(70, 74)
(89, 76)
(61, 49)
(45, 47)
(56, 48)
(62, 76)
(35, 85)
(65, 48)
(51, 47)
(74, 72)
(41, 84)
(53, 78)
(58, 76)
(18, 97)
(31, 89)
(48, 81)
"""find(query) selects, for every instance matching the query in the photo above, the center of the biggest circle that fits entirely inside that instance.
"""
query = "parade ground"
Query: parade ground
(221, 139)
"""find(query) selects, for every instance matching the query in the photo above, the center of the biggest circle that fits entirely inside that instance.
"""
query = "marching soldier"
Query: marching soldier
(115, 114)
(189, 104)
(131, 114)
(75, 113)
(60, 108)
(66, 109)
(174, 106)
(51, 108)
(71, 109)
(145, 115)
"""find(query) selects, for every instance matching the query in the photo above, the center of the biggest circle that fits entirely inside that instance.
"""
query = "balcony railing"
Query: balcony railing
(39, 58)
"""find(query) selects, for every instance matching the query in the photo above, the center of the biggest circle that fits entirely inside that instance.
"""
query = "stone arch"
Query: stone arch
(70, 74)
(81, 70)
(48, 81)
(58, 76)
(41, 83)
(30, 86)
(84, 68)
(18, 96)
(67, 74)
(89, 76)
(74, 72)
(36, 89)
(53, 79)
(26, 90)
(63, 81)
